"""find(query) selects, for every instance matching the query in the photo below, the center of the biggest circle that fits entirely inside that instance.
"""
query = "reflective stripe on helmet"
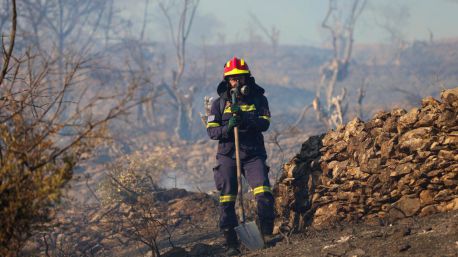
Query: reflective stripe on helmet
(262, 189)
(227, 198)
(236, 71)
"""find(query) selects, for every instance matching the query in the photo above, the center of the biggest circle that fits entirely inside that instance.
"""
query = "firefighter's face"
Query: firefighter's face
(233, 81)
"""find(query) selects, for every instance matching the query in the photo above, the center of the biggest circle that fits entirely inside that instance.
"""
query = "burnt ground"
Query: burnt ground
(434, 235)
(193, 219)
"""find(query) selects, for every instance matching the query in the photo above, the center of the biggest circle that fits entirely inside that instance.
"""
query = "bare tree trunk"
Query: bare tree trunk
(145, 18)
(9, 52)
(179, 36)
(335, 70)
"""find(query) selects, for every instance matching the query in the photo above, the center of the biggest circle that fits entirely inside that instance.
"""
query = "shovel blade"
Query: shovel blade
(250, 236)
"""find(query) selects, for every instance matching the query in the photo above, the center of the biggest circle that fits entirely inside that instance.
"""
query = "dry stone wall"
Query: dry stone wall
(398, 164)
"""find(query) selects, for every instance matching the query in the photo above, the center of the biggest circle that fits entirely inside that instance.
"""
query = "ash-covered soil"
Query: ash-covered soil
(434, 235)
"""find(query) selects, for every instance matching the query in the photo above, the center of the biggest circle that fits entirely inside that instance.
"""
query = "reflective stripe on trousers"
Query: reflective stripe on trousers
(256, 173)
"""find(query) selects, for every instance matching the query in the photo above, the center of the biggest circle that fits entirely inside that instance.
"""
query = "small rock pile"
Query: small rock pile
(398, 164)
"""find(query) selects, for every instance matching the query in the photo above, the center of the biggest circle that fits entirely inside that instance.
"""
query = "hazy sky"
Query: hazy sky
(299, 20)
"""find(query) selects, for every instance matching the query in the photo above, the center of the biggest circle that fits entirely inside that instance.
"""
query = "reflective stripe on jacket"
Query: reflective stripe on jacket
(255, 120)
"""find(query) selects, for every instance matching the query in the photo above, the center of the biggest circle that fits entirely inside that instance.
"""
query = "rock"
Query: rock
(409, 206)
(175, 252)
(405, 168)
(404, 247)
(426, 197)
(324, 214)
(353, 128)
(416, 139)
(450, 182)
(335, 250)
(451, 139)
(444, 195)
(448, 155)
(200, 249)
(396, 165)
(427, 119)
(407, 120)
(428, 210)
(449, 206)
(387, 148)
(430, 101)
(406, 231)
(395, 214)
(450, 97)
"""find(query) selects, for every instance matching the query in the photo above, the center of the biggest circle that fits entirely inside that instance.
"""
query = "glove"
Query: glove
(233, 122)
(235, 109)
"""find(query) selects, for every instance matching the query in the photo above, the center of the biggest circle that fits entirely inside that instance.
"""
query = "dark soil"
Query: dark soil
(435, 235)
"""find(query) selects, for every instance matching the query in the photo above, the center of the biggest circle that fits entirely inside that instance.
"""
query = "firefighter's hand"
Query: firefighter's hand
(234, 121)
(235, 109)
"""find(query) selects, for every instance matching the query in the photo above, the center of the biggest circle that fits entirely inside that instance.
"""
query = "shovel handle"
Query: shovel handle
(239, 171)
(234, 93)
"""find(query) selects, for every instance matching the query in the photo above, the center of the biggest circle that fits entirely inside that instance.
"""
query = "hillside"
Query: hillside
(385, 187)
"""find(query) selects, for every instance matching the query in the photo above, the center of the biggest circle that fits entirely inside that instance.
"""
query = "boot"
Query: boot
(232, 243)
(266, 230)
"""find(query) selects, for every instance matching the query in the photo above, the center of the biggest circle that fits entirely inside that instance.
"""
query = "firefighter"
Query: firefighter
(252, 117)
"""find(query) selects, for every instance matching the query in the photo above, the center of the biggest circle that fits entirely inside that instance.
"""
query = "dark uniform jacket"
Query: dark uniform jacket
(255, 118)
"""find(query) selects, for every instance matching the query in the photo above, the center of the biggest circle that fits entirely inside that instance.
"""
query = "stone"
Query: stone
(450, 182)
(448, 155)
(426, 197)
(448, 206)
(430, 101)
(409, 206)
(324, 214)
(423, 154)
(200, 249)
(427, 120)
(397, 165)
(353, 128)
(404, 247)
(395, 214)
(390, 125)
(335, 249)
(452, 139)
(407, 120)
(428, 210)
(416, 139)
(405, 168)
(450, 97)
(387, 148)
(175, 252)
(446, 119)
(444, 195)
(434, 173)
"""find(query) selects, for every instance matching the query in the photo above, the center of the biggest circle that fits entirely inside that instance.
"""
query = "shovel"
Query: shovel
(248, 232)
